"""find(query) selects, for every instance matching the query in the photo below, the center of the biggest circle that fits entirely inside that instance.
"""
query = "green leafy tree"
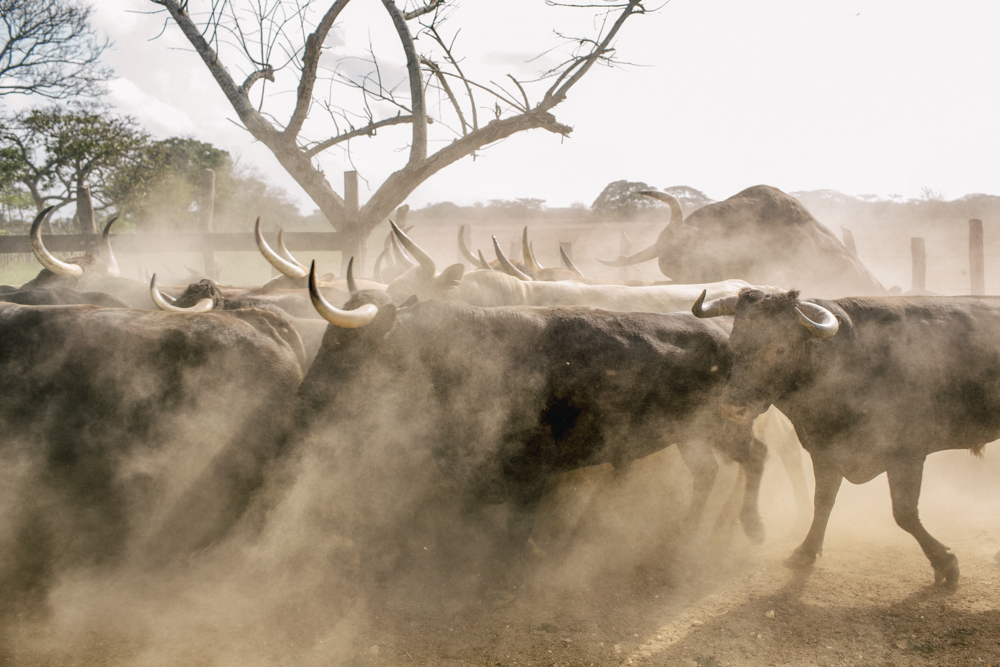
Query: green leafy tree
(53, 151)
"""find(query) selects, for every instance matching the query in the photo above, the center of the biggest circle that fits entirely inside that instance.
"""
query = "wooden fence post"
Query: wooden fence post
(206, 212)
(849, 241)
(624, 250)
(354, 245)
(85, 210)
(977, 262)
(918, 251)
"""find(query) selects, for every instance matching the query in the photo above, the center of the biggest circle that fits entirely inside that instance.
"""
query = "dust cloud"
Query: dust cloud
(355, 535)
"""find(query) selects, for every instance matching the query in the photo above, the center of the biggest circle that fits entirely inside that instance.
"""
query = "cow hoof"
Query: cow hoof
(947, 576)
(799, 561)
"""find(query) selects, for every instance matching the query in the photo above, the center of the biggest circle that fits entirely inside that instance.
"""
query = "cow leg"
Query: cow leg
(904, 487)
(703, 466)
(828, 480)
(753, 465)
(739, 443)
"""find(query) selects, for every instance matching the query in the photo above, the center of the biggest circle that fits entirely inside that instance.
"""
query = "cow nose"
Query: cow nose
(736, 413)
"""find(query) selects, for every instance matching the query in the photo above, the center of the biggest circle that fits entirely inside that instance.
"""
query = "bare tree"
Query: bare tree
(48, 48)
(278, 42)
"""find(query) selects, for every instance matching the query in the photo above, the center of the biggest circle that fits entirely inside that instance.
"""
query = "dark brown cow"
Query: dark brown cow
(108, 414)
(872, 385)
(760, 235)
(506, 398)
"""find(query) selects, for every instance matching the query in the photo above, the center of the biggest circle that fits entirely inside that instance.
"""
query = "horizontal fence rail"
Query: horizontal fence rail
(189, 242)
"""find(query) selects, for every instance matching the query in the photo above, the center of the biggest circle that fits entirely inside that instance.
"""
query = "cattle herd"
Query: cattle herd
(505, 376)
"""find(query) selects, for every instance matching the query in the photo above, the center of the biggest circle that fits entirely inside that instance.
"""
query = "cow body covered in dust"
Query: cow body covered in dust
(503, 399)
(121, 428)
(761, 235)
(872, 385)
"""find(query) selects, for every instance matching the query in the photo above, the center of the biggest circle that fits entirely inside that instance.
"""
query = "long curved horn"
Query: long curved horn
(45, 258)
(526, 252)
(400, 256)
(283, 251)
(676, 215)
(505, 264)
(274, 259)
(715, 308)
(415, 250)
(486, 265)
(352, 286)
(345, 319)
(203, 305)
(568, 263)
(106, 254)
(822, 324)
(464, 249)
(652, 252)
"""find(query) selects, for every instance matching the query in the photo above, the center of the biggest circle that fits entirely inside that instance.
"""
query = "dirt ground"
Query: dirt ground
(605, 585)
(870, 600)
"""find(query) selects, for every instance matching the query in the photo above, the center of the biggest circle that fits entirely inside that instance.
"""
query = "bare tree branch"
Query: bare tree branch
(418, 147)
(420, 11)
(366, 131)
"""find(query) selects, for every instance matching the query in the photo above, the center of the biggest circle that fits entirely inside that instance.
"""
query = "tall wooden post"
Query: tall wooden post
(624, 250)
(354, 244)
(918, 251)
(85, 210)
(977, 263)
(206, 211)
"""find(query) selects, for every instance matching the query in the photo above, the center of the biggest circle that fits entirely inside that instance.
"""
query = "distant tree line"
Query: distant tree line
(46, 153)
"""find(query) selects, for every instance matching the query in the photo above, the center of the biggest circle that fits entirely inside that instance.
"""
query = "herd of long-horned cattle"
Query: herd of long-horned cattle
(504, 377)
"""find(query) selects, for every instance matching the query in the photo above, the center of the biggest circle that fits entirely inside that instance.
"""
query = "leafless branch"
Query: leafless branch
(368, 130)
(420, 11)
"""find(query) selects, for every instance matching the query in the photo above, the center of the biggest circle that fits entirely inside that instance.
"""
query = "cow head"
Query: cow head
(76, 272)
(771, 342)
(422, 280)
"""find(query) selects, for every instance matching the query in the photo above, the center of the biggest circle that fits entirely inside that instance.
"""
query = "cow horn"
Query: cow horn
(464, 248)
(45, 258)
(203, 305)
(106, 254)
(418, 254)
(505, 264)
(352, 286)
(345, 319)
(715, 308)
(486, 265)
(400, 256)
(825, 323)
(274, 259)
(652, 252)
(568, 263)
(283, 251)
(528, 253)
(676, 215)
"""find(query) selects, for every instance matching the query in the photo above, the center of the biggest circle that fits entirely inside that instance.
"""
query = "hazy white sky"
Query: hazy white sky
(878, 97)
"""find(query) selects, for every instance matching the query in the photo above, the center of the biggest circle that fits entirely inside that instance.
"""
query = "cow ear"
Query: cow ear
(384, 320)
(451, 277)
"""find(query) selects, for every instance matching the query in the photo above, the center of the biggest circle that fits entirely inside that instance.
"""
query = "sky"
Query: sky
(867, 97)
